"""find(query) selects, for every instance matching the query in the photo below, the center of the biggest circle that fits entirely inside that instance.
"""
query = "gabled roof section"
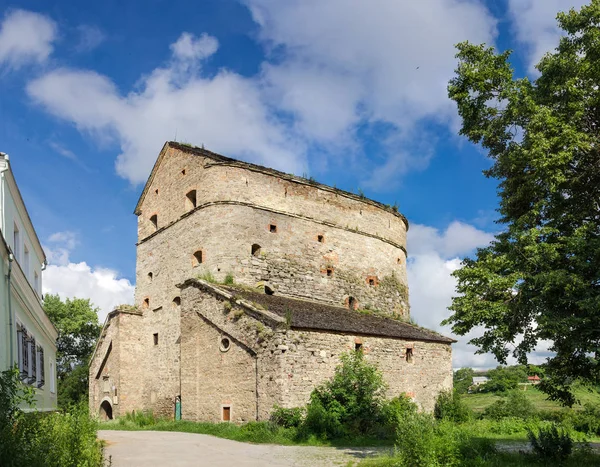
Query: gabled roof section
(218, 158)
(316, 316)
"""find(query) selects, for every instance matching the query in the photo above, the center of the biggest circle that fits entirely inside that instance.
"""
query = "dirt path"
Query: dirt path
(164, 448)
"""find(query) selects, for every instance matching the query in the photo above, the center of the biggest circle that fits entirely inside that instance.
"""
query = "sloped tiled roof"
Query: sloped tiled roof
(317, 316)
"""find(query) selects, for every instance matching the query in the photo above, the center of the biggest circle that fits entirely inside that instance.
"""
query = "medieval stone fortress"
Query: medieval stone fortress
(250, 283)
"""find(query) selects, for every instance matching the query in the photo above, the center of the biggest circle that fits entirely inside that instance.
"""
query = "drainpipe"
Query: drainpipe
(10, 255)
(10, 314)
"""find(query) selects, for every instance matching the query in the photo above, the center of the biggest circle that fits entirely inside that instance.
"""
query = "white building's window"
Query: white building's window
(23, 352)
(40, 366)
(36, 282)
(52, 378)
(17, 243)
(26, 262)
(31, 348)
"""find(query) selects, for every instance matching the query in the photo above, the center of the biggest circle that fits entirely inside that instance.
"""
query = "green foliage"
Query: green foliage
(139, 418)
(288, 418)
(450, 406)
(504, 378)
(229, 280)
(515, 405)
(539, 279)
(207, 277)
(348, 405)
(421, 442)
(78, 330)
(551, 444)
(586, 421)
(463, 379)
(43, 439)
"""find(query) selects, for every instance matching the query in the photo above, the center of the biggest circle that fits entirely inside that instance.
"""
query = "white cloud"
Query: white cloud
(225, 112)
(90, 37)
(102, 286)
(535, 25)
(433, 256)
(25, 37)
(336, 68)
(189, 47)
(339, 64)
(458, 239)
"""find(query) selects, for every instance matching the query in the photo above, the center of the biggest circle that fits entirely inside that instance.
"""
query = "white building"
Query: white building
(27, 337)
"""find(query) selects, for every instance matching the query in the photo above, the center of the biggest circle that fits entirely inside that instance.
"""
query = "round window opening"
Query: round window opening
(225, 344)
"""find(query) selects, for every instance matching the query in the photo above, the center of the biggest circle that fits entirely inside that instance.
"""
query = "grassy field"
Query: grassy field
(478, 402)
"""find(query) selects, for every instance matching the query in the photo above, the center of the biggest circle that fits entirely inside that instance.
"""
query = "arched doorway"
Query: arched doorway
(106, 411)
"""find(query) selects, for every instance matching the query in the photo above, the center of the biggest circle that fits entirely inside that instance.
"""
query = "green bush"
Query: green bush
(515, 405)
(450, 406)
(551, 444)
(141, 419)
(350, 404)
(587, 420)
(43, 439)
(393, 413)
(423, 442)
(288, 418)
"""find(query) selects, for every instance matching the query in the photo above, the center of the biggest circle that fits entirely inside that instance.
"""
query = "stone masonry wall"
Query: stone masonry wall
(291, 260)
(123, 367)
(327, 245)
(312, 356)
(289, 362)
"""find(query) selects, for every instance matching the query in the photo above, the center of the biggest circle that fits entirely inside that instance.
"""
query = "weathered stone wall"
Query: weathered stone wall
(213, 375)
(327, 245)
(312, 356)
(123, 366)
(289, 363)
(160, 359)
(291, 260)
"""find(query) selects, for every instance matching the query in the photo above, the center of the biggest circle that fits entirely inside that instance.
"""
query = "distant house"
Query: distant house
(27, 336)
(533, 379)
(479, 380)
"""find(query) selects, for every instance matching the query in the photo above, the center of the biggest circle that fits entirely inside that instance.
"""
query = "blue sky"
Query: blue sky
(352, 93)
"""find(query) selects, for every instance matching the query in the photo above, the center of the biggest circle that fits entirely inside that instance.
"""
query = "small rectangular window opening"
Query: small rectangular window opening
(409, 355)
(183, 172)
(320, 238)
(155, 336)
(329, 272)
(273, 228)
(371, 281)
(358, 347)
(226, 414)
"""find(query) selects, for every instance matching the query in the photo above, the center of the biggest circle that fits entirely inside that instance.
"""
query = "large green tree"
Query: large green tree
(78, 330)
(539, 280)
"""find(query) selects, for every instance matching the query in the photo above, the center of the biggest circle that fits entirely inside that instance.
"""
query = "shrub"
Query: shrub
(43, 439)
(586, 420)
(287, 418)
(515, 405)
(450, 406)
(348, 405)
(66, 439)
(423, 442)
(141, 419)
(229, 279)
(393, 413)
(551, 444)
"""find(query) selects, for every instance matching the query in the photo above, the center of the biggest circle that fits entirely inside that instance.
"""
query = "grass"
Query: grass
(251, 432)
(479, 401)
(499, 459)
